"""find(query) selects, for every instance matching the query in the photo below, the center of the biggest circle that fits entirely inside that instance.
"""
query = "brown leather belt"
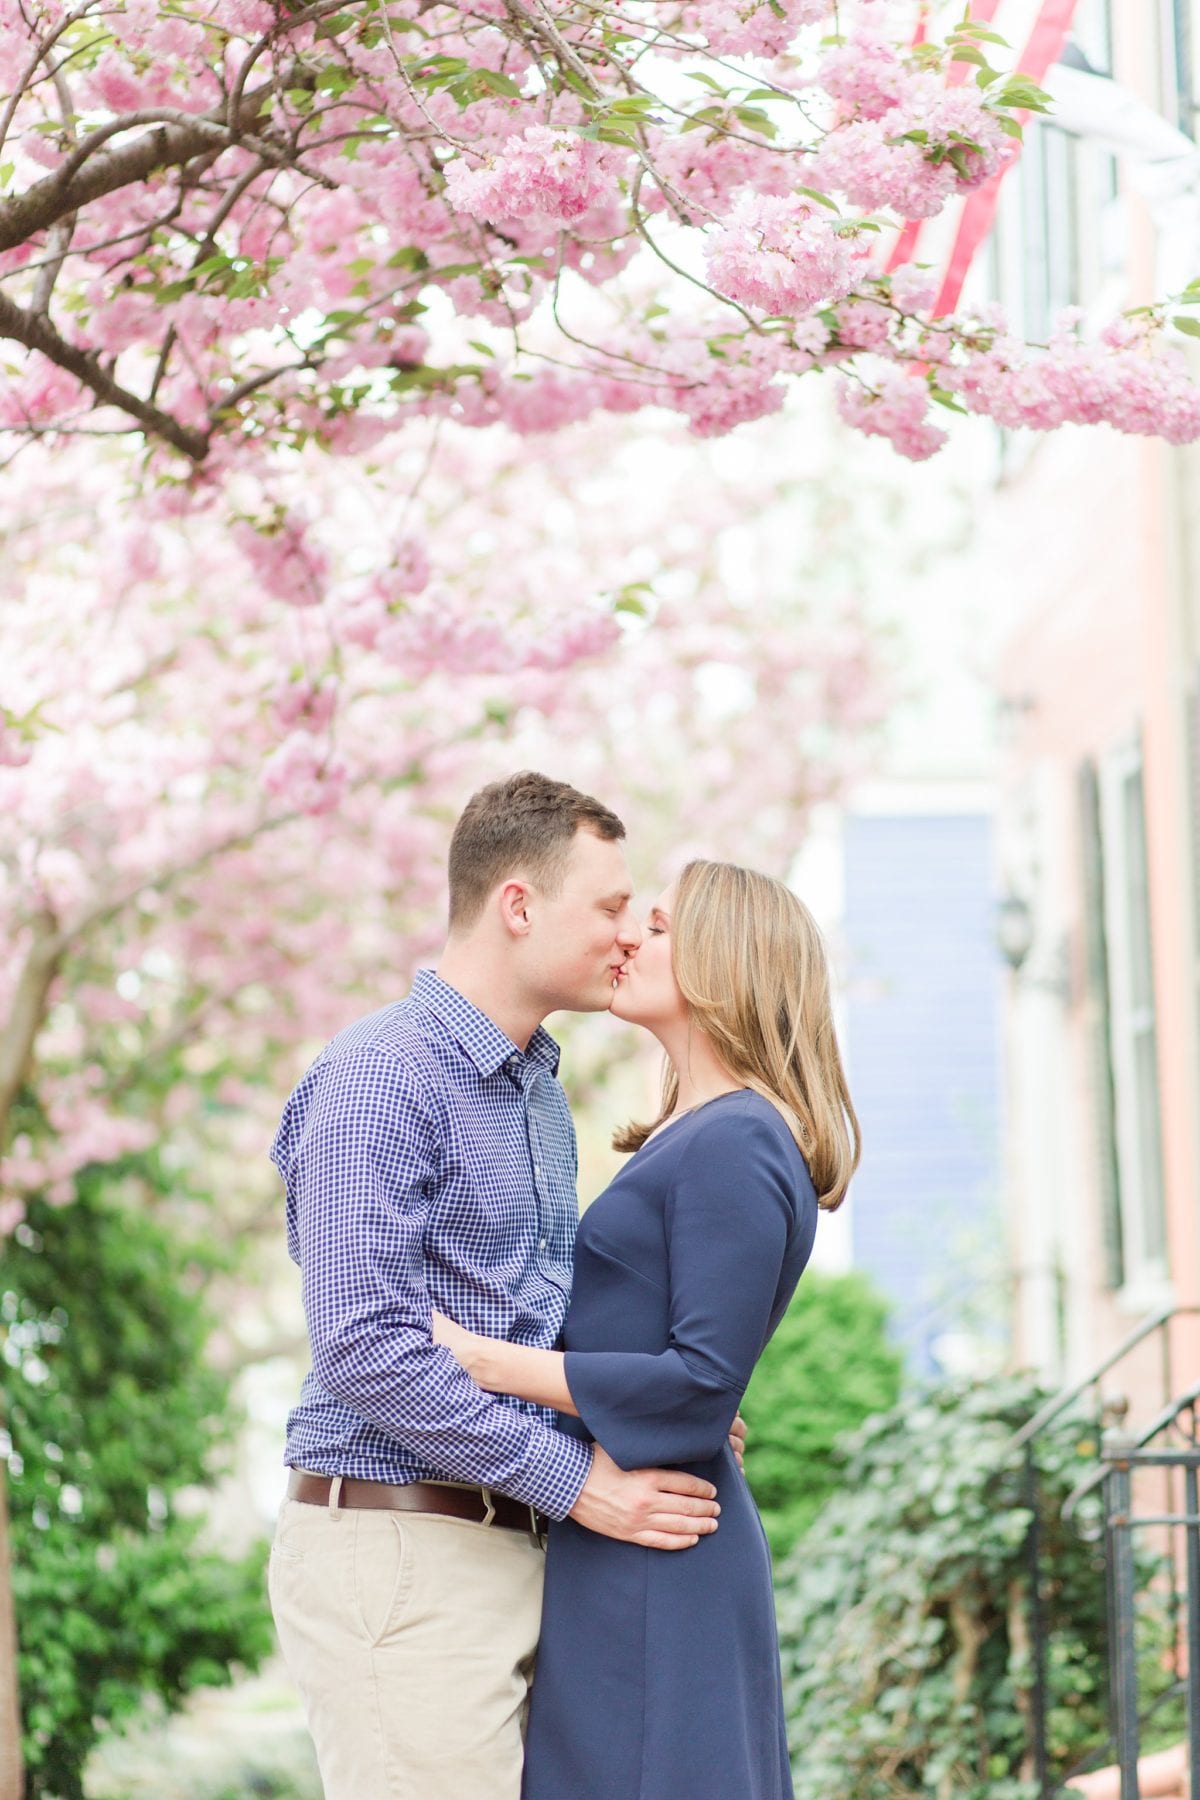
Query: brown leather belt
(477, 1504)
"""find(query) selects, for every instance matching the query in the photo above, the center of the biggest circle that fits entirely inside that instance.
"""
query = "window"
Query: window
(1193, 732)
(1133, 1035)
(1091, 32)
(1049, 228)
(1180, 40)
(1098, 1025)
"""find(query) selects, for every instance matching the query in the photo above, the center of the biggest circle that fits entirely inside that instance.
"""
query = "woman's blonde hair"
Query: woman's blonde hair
(750, 962)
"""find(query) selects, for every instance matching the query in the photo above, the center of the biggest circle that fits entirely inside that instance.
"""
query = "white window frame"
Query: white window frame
(1179, 27)
(1139, 1141)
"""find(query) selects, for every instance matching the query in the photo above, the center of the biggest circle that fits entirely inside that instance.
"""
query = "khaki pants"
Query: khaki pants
(411, 1638)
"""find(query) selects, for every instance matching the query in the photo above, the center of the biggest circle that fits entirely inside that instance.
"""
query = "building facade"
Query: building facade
(1098, 837)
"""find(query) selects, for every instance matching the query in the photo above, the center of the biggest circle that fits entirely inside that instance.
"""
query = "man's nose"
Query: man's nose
(629, 934)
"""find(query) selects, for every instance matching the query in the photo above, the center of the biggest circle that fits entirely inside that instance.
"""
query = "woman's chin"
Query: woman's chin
(619, 1004)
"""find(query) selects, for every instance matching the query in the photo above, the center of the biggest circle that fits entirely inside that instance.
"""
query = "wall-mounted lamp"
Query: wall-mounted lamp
(1015, 935)
(1014, 930)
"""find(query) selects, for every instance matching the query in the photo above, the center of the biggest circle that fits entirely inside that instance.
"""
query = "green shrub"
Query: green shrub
(112, 1412)
(828, 1367)
(904, 1611)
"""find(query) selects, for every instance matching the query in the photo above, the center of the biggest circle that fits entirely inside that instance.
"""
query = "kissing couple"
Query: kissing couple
(519, 1439)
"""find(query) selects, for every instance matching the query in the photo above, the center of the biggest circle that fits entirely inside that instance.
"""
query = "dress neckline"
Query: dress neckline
(690, 1112)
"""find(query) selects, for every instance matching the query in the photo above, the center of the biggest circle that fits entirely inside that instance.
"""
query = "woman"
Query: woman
(658, 1674)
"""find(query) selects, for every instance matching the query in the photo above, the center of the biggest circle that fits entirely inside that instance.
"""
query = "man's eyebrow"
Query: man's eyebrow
(621, 898)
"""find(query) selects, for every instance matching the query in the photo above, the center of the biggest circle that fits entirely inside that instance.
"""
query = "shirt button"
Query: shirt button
(541, 1243)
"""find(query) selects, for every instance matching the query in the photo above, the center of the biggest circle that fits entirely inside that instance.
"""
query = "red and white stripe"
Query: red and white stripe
(1042, 46)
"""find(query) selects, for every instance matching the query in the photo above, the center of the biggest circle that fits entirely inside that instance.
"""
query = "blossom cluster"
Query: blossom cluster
(893, 407)
(408, 219)
(753, 27)
(544, 174)
(234, 809)
(1125, 380)
(785, 255)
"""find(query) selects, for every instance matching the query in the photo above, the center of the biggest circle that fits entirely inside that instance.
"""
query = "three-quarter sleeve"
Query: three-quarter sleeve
(729, 1213)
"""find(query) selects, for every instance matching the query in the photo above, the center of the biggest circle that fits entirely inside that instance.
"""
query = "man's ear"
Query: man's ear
(514, 901)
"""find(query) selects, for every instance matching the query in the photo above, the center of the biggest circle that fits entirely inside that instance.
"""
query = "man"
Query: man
(430, 1162)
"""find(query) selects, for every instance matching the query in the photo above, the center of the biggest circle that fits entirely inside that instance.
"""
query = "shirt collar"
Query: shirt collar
(488, 1047)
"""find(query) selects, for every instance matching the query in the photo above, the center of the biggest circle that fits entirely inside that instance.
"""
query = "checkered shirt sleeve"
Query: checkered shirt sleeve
(366, 1159)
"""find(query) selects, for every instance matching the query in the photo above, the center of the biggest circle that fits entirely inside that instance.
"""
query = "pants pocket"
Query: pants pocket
(288, 1543)
(381, 1576)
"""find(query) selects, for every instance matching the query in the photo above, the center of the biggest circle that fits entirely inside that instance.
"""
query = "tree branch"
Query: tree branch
(40, 49)
(58, 242)
(92, 171)
(28, 1010)
(37, 333)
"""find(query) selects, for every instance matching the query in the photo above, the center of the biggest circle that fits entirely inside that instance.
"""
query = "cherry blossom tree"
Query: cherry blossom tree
(265, 224)
(233, 751)
(236, 734)
(247, 682)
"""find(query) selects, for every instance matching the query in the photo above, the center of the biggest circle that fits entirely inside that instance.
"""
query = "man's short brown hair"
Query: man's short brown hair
(524, 825)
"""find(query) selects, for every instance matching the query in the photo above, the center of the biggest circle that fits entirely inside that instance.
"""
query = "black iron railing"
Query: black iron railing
(1166, 1447)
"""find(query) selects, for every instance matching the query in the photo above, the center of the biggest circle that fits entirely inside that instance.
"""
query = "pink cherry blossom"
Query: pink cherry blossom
(237, 809)
(285, 559)
(302, 777)
(865, 74)
(753, 27)
(555, 176)
(784, 254)
(893, 406)
(461, 222)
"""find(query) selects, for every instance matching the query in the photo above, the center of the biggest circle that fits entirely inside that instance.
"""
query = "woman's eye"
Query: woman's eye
(654, 930)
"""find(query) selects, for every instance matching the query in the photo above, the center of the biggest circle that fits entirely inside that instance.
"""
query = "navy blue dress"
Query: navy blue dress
(658, 1670)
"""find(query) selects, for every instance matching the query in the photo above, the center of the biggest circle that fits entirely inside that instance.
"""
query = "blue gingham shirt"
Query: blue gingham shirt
(430, 1164)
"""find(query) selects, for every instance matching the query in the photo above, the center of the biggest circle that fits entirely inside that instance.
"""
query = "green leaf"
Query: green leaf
(819, 197)
(1190, 327)
(494, 82)
(946, 399)
(631, 106)
(1019, 91)
(612, 133)
(577, 85)
(755, 119)
(334, 79)
(980, 32)
(705, 115)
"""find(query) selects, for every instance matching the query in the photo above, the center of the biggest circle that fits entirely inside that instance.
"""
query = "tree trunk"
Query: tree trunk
(28, 1011)
(12, 1779)
(16, 1050)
